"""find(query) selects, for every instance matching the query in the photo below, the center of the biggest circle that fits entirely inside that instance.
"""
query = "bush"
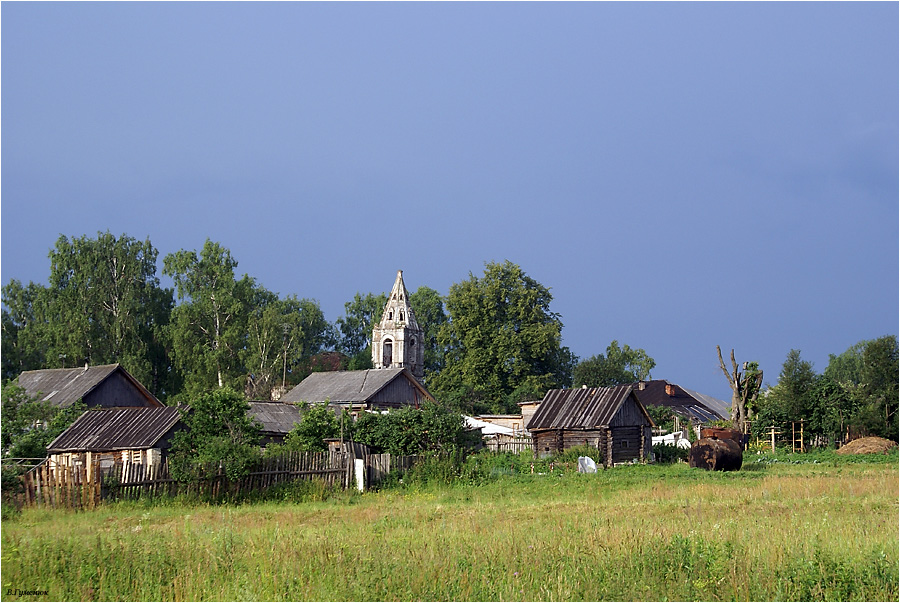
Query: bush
(667, 454)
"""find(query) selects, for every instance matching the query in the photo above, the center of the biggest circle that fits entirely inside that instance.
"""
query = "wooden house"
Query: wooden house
(119, 435)
(105, 386)
(611, 419)
(368, 389)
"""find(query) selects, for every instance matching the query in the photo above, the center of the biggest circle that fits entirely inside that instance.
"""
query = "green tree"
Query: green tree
(619, 366)
(831, 410)
(218, 433)
(283, 335)
(25, 328)
(209, 326)
(867, 373)
(501, 335)
(103, 304)
(429, 308)
(29, 425)
(409, 430)
(791, 399)
(355, 328)
(317, 423)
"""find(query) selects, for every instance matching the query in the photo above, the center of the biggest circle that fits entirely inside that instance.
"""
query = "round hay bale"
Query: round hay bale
(716, 455)
(870, 445)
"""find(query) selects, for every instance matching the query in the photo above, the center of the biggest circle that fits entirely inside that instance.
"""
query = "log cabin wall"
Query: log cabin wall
(552, 441)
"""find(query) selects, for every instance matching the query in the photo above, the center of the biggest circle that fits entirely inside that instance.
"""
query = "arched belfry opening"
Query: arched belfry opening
(387, 352)
(397, 338)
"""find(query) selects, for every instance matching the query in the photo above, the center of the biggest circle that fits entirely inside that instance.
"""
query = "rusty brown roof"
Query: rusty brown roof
(116, 429)
(684, 402)
(580, 408)
(63, 387)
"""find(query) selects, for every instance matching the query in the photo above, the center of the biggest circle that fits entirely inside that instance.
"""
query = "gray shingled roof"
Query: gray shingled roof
(116, 429)
(580, 408)
(275, 417)
(343, 387)
(64, 387)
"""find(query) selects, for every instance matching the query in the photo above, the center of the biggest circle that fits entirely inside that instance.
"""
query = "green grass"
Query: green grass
(776, 531)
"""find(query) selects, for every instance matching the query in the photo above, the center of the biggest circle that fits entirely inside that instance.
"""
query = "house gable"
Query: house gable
(105, 386)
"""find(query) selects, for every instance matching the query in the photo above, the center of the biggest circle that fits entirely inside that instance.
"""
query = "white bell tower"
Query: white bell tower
(398, 341)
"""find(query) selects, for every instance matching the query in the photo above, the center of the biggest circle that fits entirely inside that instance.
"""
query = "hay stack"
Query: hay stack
(867, 446)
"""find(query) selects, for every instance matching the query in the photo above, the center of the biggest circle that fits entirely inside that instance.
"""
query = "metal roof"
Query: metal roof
(63, 387)
(116, 429)
(682, 401)
(342, 387)
(580, 408)
(275, 417)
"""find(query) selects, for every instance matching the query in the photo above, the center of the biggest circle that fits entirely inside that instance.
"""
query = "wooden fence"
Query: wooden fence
(509, 444)
(86, 486)
(378, 466)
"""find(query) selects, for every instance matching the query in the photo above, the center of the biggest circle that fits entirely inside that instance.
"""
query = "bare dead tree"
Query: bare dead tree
(744, 387)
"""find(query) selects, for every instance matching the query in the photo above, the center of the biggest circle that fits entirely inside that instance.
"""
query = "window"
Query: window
(401, 315)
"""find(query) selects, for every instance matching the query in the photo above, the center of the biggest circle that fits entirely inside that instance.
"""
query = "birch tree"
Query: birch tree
(209, 326)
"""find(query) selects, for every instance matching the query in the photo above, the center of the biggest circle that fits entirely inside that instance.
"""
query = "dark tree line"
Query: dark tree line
(856, 394)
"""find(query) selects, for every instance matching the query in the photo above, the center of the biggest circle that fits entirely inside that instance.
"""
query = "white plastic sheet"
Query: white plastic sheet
(586, 465)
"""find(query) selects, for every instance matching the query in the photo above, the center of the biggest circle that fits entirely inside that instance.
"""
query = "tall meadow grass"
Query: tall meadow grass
(772, 532)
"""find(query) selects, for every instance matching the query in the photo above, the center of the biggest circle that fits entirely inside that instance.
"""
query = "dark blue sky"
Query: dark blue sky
(680, 175)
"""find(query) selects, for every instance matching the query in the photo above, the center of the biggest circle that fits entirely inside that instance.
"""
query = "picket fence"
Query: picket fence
(510, 444)
(84, 487)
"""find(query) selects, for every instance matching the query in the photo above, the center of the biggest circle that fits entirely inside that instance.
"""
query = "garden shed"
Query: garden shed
(611, 419)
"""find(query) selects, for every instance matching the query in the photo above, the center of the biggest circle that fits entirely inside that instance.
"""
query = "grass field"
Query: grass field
(787, 530)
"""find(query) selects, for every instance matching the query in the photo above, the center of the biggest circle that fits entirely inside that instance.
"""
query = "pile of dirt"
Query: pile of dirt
(867, 446)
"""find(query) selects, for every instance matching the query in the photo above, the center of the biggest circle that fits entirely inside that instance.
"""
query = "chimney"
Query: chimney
(670, 389)
(641, 385)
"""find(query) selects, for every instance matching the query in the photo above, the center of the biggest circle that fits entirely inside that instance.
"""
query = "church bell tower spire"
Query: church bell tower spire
(397, 341)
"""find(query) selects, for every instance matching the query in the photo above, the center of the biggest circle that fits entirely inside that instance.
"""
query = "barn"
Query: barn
(611, 419)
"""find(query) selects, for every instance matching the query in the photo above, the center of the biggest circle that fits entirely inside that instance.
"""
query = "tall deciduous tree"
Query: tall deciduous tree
(744, 387)
(25, 326)
(209, 326)
(617, 367)
(282, 334)
(103, 304)
(867, 375)
(502, 336)
(355, 328)
(429, 308)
